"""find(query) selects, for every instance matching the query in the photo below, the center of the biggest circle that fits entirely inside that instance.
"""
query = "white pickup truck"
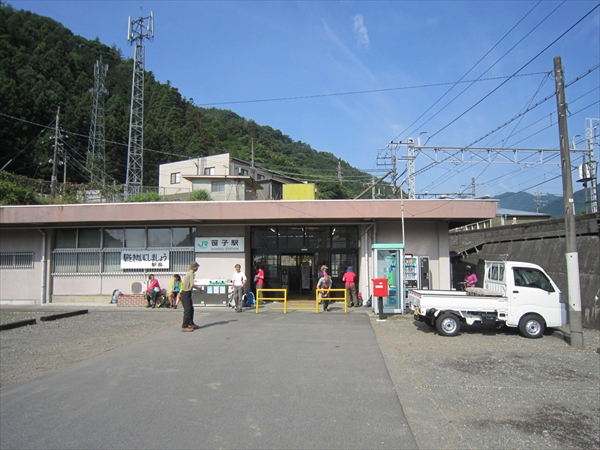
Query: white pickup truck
(515, 294)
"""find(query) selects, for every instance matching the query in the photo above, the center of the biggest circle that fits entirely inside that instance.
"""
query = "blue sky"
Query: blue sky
(402, 56)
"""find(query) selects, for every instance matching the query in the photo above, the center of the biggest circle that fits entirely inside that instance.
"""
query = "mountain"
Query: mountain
(44, 66)
(549, 203)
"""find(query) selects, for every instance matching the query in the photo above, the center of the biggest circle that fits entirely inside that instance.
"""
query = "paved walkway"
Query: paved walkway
(267, 380)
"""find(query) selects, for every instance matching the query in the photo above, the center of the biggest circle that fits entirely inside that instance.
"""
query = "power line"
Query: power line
(550, 96)
(303, 97)
(454, 85)
(522, 67)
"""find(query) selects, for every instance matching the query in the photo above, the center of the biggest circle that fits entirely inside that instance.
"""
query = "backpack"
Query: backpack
(248, 299)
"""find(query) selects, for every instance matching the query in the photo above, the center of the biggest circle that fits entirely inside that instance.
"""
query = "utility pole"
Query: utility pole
(572, 257)
(590, 137)
(54, 159)
(539, 201)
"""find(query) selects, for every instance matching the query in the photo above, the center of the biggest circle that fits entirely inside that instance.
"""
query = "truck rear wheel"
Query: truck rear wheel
(532, 326)
(447, 324)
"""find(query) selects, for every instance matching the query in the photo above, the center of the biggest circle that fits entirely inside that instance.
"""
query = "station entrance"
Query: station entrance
(292, 256)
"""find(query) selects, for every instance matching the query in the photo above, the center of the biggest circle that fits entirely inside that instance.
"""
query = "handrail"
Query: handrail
(259, 297)
(336, 299)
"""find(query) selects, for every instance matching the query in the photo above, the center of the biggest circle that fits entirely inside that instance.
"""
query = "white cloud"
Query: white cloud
(360, 31)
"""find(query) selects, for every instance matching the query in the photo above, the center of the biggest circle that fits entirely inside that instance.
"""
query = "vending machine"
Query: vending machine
(388, 262)
(416, 273)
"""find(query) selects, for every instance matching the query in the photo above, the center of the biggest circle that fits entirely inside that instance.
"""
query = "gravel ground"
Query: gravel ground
(490, 388)
(29, 351)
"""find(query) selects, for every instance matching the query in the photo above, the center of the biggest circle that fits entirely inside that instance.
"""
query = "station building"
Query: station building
(81, 253)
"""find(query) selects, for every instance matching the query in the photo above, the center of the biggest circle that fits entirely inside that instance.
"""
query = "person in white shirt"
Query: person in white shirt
(238, 280)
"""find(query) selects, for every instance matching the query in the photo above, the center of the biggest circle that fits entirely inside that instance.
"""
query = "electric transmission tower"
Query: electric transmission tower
(138, 30)
(95, 154)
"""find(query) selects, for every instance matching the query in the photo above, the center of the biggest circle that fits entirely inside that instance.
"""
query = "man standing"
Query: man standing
(349, 279)
(238, 280)
(324, 283)
(186, 298)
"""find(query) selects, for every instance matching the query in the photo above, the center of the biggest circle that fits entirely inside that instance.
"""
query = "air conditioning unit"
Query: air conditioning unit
(137, 287)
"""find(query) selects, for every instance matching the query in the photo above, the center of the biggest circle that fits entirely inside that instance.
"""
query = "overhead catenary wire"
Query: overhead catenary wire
(516, 72)
(460, 80)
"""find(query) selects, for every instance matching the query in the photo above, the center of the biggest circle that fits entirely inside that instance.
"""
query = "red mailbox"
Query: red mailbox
(380, 287)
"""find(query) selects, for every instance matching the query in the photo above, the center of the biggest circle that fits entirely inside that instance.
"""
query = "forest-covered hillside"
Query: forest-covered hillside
(44, 66)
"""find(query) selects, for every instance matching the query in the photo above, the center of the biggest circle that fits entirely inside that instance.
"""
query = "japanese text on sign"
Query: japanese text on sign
(144, 260)
(220, 244)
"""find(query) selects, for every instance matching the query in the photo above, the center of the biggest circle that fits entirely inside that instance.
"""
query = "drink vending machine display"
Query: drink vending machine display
(416, 273)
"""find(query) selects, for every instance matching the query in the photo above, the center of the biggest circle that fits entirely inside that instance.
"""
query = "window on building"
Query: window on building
(66, 238)
(176, 178)
(88, 238)
(81, 251)
(217, 186)
(260, 176)
(135, 238)
(183, 237)
(159, 237)
(264, 238)
(16, 260)
(318, 237)
(244, 172)
(114, 238)
(291, 237)
(209, 171)
(344, 237)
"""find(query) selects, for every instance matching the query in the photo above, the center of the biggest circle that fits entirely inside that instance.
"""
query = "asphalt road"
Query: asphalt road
(271, 380)
(298, 380)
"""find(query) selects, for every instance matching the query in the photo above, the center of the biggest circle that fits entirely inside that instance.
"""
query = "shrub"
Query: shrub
(200, 195)
(146, 197)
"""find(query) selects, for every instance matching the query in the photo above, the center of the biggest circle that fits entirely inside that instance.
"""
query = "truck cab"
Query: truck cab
(528, 289)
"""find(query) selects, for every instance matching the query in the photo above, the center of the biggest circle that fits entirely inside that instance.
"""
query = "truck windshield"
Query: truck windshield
(532, 278)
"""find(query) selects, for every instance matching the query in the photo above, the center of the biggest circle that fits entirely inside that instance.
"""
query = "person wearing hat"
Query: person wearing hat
(186, 298)
(325, 283)
(349, 279)
(323, 271)
(470, 277)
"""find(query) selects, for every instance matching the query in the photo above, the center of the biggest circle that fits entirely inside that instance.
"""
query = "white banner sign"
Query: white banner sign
(219, 244)
(145, 260)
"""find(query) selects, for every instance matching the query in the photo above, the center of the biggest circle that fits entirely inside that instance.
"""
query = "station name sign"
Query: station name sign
(219, 244)
(145, 260)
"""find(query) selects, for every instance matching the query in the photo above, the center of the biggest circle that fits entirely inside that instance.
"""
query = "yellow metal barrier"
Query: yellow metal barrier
(330, 299)
(259, 297)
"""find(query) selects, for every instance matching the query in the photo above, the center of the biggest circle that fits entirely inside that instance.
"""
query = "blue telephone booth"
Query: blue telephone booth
(388, 263)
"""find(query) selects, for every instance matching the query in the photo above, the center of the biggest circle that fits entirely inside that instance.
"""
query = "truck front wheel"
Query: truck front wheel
(447, 324)
(532, 326)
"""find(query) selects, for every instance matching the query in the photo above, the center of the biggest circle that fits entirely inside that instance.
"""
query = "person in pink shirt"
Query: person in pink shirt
(152, 291)
(349, 280)
(470, 278)
(259, 278)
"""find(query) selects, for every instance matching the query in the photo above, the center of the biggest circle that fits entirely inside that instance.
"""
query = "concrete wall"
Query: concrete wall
(423, 238)
(543, 243)
(22, 285)
(220, 266)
